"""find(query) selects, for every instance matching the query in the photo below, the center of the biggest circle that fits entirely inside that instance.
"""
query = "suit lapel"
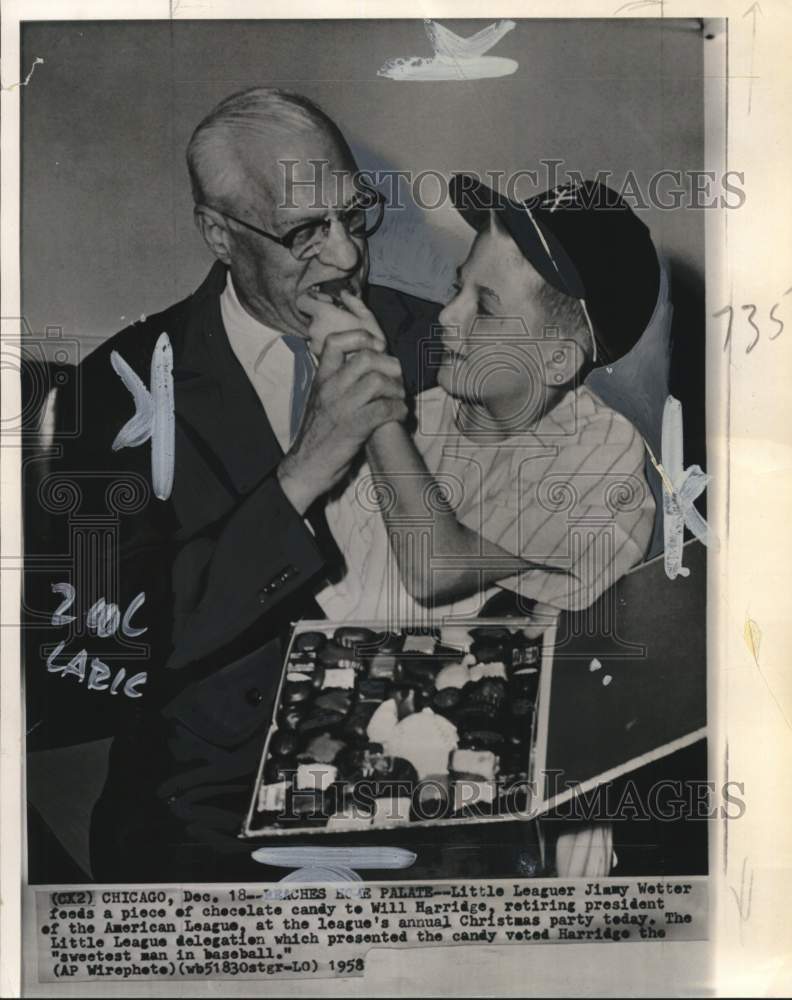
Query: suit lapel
(225, 444)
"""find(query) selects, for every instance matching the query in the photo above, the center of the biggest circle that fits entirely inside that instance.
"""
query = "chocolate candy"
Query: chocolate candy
(446, 701)
(483, 739)
(392, 776)
(489, 651)
(526, 654)
(387, 642)
(335, 699)
(284, 743)
(423, 669)
(420, 641)
(320, 719)
(524, 684)
(301, 665)
(292, 716)
(447, 654)
(323, 749)
(371, 690)
(280, 769)
(352, 636)
(357, 723)
(309, 642)
(296, 691)
(333, 654)
(383, 667)
(490, 633)
(482, 703)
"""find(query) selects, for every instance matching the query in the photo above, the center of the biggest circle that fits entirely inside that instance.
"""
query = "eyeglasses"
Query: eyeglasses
(361, 219)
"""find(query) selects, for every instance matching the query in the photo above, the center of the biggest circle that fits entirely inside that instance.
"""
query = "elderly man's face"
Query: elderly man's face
(271, 283)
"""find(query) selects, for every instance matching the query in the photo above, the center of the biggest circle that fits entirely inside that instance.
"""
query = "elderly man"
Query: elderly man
(235, 552)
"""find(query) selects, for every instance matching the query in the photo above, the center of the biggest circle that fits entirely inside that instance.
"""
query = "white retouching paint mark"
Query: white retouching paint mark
(680, 488)
(595, 665)
(36, 62)
(606, 680)
(329, 864)
(154, 414)
(455, 58)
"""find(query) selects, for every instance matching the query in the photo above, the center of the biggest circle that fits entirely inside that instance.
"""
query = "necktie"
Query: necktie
(303, 378)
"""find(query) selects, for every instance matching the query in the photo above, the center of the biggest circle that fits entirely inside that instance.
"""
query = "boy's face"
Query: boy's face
(491, 326)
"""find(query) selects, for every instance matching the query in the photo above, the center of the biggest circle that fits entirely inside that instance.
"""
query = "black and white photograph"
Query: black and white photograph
(366, 449)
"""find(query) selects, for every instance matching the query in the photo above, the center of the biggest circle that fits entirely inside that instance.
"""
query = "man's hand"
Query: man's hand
(327, 318)
(350, 398)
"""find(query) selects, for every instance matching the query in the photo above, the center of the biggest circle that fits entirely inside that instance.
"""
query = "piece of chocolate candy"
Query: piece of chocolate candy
(481, 705)
(372, 690)
(284, 743)
(521, 717)
(447, 654)
(423, 669)
(320, 719)
(336, 699)
(476, 764)
(315, 776)
(525, 653)
(445, 702)
(353, 636)
(357, 722)
(489, 651)
(421, 641)
(524, 684)
(482, 739)
(272, 797)
(386, 642)
(295, 692)
(333, 655)
(323, 748)
(280, 769)
(339, 677)
(301, 665)
(491, 633)
(392, 776)
(292, 716)
(306, 803)
(383, 667)
(309, 642)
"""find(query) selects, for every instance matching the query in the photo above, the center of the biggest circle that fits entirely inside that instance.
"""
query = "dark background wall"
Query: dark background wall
(107, 228)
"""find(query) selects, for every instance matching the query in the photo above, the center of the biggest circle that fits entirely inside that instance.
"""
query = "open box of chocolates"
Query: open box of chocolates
(375, 729)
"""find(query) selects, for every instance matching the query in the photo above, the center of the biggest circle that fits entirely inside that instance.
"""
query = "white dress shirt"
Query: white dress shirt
(267, 361)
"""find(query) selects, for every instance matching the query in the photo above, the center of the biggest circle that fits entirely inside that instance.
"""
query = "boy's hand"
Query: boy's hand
(327, 318)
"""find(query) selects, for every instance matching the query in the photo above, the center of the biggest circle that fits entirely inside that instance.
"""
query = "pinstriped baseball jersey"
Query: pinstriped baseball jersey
(569, 497)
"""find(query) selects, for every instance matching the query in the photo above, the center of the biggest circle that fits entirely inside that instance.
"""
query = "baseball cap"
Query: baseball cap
(584, 240)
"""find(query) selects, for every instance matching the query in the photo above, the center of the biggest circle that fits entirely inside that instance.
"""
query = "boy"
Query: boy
(518, 477)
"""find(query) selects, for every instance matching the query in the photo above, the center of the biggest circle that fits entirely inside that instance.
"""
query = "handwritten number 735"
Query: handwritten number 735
(751, 311)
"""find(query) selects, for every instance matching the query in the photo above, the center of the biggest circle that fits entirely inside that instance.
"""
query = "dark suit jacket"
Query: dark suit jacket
(225, 565)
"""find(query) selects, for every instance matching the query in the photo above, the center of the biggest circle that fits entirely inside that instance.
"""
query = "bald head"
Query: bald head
(236, 153)
(264, 163)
